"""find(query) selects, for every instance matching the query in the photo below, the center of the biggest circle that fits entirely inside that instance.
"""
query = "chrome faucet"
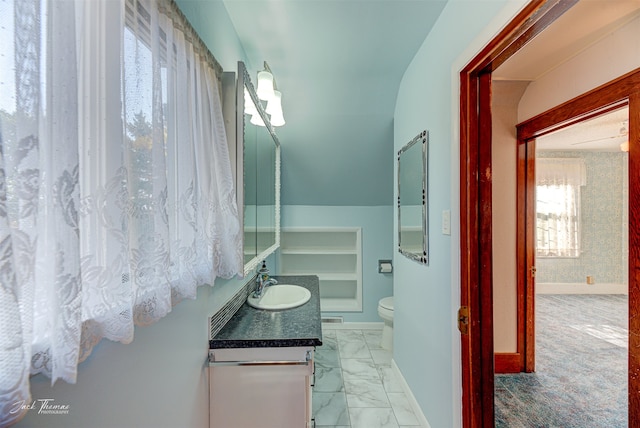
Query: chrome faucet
(263, 281)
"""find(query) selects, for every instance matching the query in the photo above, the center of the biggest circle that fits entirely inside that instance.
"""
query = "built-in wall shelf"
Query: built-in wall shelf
(335, 255)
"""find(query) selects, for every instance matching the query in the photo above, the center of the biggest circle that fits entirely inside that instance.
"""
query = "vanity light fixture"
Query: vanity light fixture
(268, 91)
(277, 120)
(265, 85)
(274, 108)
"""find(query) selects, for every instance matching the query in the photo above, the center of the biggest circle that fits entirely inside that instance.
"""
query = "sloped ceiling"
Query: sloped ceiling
(338, 64)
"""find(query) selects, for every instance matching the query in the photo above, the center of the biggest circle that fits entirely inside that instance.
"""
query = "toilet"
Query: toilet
(385, 310)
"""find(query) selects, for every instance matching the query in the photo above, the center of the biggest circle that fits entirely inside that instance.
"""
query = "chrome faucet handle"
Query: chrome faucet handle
(263, 270)
(262, 280)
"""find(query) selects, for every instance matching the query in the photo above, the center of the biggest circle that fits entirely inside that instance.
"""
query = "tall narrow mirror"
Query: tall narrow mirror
(250, 174)
(413, 235)
(266, 192)
(258, 175)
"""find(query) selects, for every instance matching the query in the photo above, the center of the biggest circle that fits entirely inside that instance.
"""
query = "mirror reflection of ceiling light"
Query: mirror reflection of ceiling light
(257, 120)
(267, 91)
(274, 108)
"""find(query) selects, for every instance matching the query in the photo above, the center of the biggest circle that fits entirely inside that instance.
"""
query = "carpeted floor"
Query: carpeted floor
(581, 367)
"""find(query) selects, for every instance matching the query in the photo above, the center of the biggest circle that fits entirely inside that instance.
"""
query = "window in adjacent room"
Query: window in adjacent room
(558, 182)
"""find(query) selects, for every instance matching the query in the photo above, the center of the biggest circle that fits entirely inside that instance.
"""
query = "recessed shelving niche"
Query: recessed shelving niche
(335, 255)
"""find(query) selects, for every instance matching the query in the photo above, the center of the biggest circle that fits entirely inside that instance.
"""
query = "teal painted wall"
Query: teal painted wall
(212, 23)
(426, 341)
(377, 244)
(347, 175)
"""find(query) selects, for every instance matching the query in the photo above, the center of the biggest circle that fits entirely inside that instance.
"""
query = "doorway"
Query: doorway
(615, 96)
(476, 240)
(580, 318)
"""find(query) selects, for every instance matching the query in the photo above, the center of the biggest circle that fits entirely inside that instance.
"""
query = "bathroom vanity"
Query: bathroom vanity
(261, 361)
(261, 364)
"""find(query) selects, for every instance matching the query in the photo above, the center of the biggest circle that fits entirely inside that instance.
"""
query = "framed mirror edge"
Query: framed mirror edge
(423, 258)
(251, 265)
(243, 81)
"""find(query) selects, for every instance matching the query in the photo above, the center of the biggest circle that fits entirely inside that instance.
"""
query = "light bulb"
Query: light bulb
(277, 119)
(265, 85)
(274, 108)
(274, 105)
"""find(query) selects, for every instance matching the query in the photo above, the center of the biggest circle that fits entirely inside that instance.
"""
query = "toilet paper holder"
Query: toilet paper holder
(385, 266)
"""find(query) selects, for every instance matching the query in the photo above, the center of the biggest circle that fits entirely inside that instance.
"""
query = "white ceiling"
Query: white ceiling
(580, 27)
(603, 134)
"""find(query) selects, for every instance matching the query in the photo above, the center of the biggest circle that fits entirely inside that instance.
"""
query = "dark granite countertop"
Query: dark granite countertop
(258, 328)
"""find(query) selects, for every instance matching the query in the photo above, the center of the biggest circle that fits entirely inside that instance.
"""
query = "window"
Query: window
(558, 182)
(116, 191)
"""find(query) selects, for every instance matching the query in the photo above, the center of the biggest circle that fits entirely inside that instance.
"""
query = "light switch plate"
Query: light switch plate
(446, 222)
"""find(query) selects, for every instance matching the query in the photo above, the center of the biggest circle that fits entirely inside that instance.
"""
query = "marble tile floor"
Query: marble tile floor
(581, 367)
(354, 384)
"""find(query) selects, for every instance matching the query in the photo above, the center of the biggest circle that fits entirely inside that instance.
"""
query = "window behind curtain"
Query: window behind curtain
(116, 191)
(558, 182)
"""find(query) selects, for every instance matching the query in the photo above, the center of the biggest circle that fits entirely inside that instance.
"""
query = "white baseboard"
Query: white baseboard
(417, 411)
(353, 326)
(580, 288)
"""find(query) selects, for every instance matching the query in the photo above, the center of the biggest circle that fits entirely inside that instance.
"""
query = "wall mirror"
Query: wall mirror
(413, 237)
(258, 176)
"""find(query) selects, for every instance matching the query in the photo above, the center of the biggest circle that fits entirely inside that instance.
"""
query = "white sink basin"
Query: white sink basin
(280, 296)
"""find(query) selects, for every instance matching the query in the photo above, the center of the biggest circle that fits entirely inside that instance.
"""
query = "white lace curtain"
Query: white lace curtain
(116, 194)
(558, 182)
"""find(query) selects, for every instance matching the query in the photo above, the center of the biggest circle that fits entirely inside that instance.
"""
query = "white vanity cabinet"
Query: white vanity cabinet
(261, 387)
(261, 363)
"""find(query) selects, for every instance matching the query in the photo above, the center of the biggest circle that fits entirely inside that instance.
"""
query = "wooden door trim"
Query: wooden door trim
(475, 216)
(525, 257)
(605, 98)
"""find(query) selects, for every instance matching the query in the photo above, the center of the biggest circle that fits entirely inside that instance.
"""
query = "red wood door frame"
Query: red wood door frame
(475, 210)
(634, 258)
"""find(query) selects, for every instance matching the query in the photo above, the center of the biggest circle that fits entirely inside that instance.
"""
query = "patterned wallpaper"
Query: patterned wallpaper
(604, 216)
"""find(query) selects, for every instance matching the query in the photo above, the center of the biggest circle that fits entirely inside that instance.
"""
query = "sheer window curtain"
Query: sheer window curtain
(558, 182)
(116, 194)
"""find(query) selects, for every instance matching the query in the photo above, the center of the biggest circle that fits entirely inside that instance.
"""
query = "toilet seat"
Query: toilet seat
(386, 303)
